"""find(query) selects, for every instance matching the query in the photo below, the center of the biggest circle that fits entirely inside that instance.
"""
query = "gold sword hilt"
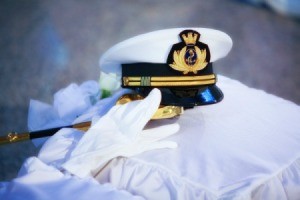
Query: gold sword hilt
(13, 137)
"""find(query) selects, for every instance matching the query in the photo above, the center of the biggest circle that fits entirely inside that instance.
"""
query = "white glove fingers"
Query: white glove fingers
(159, 133)
(138, 116)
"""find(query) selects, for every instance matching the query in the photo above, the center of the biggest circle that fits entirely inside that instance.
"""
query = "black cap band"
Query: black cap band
(187, 91)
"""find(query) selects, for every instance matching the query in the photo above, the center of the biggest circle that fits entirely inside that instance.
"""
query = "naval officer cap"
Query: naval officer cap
(177, 61)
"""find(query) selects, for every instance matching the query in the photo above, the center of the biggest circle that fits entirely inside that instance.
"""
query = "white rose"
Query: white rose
(109, 83)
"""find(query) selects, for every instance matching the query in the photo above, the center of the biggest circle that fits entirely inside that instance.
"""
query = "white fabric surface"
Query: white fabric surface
(246, 147)
(157, 44)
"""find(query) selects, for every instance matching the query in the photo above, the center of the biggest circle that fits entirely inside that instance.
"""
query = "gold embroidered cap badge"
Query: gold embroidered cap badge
(191, 56)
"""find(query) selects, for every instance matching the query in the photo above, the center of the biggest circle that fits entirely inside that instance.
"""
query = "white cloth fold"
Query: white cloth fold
(57, 149)
(37, 180)
(68, 104)
(154, 181)
(71, 105)
(120, 133)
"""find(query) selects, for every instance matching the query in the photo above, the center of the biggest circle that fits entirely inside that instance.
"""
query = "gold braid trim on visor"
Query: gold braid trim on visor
(169, 81)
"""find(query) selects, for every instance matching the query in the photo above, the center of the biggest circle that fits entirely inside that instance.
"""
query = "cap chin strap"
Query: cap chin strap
(163, 112)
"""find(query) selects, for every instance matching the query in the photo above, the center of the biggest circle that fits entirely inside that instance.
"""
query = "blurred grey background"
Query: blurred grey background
(46, 45)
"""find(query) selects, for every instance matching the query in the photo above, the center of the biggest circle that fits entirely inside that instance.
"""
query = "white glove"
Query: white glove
(120, 133)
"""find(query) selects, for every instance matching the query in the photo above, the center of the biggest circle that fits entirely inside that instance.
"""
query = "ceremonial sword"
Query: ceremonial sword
(163, 112)
(13, 137)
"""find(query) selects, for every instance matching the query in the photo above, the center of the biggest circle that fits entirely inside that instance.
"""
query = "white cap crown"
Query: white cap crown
(154, 47)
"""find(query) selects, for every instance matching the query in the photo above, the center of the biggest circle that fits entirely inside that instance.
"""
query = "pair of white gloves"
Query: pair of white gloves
(118, 133)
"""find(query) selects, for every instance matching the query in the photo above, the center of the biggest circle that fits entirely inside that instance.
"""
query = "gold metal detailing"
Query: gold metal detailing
(163, 112)
(170, 81)
(83, 126)
(185, 65)
(126, 98)
(14, 137)
(125, 80)
(190, 38)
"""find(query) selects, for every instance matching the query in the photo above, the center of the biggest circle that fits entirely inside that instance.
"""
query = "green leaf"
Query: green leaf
(105, 94)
